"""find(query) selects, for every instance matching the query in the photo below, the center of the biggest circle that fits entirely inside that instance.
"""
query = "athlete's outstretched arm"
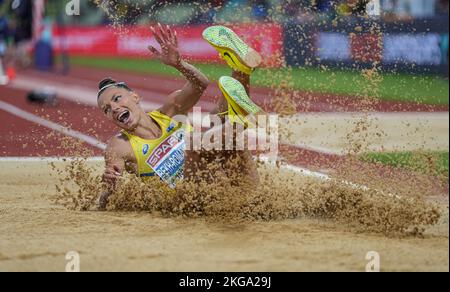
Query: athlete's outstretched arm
(181, 101)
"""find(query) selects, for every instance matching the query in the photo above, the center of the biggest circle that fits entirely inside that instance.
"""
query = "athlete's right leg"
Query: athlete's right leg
(243, 60)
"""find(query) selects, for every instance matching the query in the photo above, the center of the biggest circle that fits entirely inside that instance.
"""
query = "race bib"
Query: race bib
(167, 160)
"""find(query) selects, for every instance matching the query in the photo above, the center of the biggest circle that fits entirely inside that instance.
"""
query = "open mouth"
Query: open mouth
(124, 117)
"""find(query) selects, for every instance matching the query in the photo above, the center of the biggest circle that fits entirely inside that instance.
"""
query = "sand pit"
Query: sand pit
(36, 234)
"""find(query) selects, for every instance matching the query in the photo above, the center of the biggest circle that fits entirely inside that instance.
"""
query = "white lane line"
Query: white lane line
(321, 176)
(51, 125)
(301, 170)
(317, 149)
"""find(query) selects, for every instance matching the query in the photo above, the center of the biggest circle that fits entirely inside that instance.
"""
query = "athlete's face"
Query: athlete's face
(121, 107)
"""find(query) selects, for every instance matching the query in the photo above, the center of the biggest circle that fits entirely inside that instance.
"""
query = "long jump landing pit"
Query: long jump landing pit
(36, 235)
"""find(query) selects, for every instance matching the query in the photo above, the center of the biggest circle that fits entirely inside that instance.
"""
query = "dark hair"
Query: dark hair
(106, 81)
(111, 82)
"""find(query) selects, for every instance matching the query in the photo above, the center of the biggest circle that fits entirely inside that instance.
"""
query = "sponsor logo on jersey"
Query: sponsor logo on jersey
(162, 150)
(145, 149)
(167, 160)
(171, 127)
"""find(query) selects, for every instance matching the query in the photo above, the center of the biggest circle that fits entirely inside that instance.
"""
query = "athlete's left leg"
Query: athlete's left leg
(235, 104)
(237, 163)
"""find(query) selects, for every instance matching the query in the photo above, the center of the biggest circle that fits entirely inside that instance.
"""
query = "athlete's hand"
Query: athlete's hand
(168, 41)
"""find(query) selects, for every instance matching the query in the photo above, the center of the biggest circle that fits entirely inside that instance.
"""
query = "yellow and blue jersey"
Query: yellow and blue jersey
(163, 156)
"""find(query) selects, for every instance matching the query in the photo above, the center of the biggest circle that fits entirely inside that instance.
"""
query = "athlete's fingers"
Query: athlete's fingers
(113, 173)
(169, 34)
(117, 170)
(157, 37)
(154, 51)
(175, 38)
(163, 34)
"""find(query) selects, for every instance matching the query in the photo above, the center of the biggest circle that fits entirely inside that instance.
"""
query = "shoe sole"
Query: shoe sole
(232, 49)
(239, 102)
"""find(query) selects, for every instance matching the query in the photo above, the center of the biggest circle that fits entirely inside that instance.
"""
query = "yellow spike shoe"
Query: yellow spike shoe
(240, 107)
(232, 49)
